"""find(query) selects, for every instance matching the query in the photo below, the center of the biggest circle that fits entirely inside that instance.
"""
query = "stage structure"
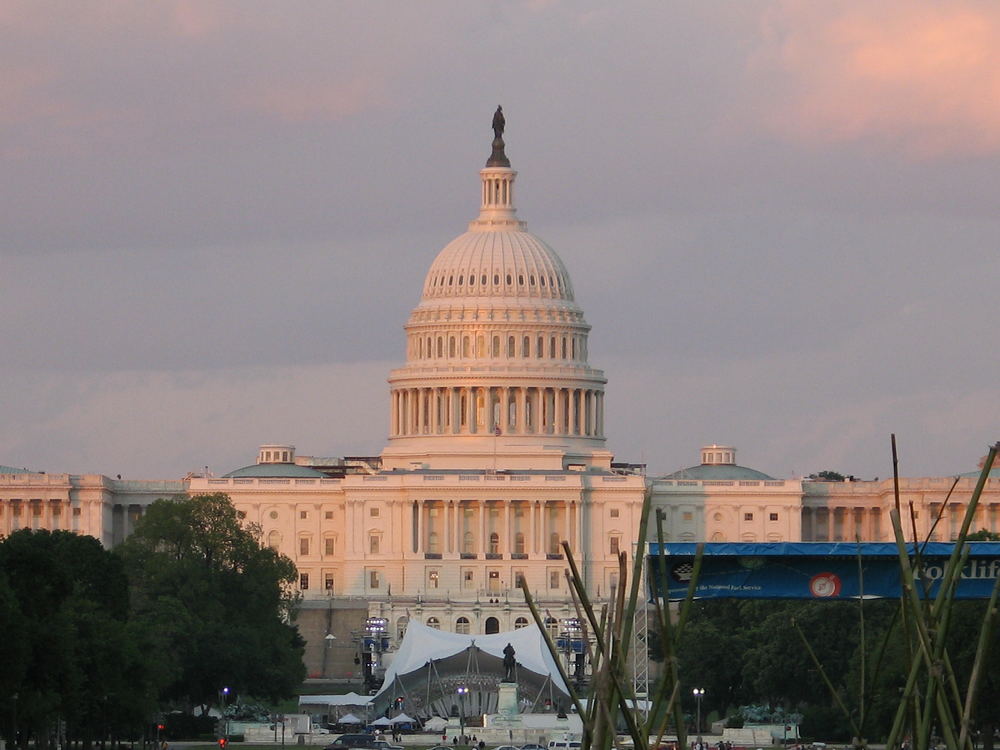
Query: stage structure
(436, 673)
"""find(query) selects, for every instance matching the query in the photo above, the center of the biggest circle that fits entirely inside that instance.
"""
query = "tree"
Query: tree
(827, 476)
(214, 605)
(65, 650)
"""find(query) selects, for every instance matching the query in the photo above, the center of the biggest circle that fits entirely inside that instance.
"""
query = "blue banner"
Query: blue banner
(816, 570)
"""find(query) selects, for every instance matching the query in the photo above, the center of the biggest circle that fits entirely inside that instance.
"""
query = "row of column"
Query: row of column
(472, 410)
(448, 527)
(845, 523)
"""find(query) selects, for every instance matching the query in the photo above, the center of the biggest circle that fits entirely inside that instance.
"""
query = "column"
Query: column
(531, 546)
(482, 547)
(559, 415)
(506, 540)
(504, 410)
(421, 410)
(567, 524)
(600, 413)
(520, 410)
(421, 525)
(491, 422)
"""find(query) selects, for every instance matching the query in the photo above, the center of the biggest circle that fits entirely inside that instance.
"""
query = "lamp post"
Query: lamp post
(698, 693)
(223, 695)
(462, 691)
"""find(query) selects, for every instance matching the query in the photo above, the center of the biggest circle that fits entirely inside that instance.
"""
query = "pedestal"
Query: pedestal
(507, 705)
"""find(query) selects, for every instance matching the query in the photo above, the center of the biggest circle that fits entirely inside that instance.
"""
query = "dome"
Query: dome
(501, 264)
(276, 471)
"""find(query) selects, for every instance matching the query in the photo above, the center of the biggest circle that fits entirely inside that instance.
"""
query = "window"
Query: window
(553, 579)
(495, 543)
(373, 511)
(554, 543)
(433, 622)
(304, 546)
(552, 626)
(520, 622)
(468, 579)
(373, 579)
(76, 511)
(329, 546)
(519, 543)
(303, 514)
(328, 582)
(615, 512)
(518, 578)
(433, 577)
(303, 581)
(328, 515)
(273, 538)
(748, 516)
(468, 543)
(773, 516)
(374, 542)
(462, 625)
(526, 347)
(493, 580)
(688, 516)
(615, 544)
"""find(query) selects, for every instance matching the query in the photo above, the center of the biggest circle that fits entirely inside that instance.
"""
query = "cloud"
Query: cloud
(301, 101)
(919, 78)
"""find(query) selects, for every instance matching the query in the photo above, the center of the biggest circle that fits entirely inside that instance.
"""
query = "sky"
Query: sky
(781, 220)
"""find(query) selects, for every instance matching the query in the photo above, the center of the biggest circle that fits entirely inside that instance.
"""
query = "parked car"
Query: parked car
(532, 747)
(355, 741)
(385, 745)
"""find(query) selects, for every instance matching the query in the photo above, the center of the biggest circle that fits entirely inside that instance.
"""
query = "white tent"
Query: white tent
(435, 723)
(423, 644)
(402, 719)
(347, 699)
(381, 721)
(348, 719)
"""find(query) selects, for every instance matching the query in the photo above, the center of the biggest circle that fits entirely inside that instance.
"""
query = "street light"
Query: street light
(223, 695)
(698, 693)
(462, 691)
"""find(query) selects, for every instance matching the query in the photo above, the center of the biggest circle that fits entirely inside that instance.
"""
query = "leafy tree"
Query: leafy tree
(214, 605)
(65, 599)
(827, 476)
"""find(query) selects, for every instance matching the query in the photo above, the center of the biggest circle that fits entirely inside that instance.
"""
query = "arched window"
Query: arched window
(495, 543)
(465, 346)
(552, 626)
(440, 349)
(468, 543)
(433, 622)
(526, 347)
(451, 347)
(540, 350)
(552, 348)
(462, 625)
(520, 622)
(492, 625)
(274, 540)
(510, 346)
(480, 346)
(401, 624)
(564, 347)
(496, 346)
(519, 543)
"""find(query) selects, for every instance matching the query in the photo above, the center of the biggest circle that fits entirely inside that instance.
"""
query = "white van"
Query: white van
(564, 745)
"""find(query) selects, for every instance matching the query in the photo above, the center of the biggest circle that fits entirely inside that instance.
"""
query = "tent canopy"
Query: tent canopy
(348, 719)
(381, 721)
(422, 644)
(347, 699)
(402, 719)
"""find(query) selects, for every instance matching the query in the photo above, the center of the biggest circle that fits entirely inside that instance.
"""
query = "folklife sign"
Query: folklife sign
(815, 570)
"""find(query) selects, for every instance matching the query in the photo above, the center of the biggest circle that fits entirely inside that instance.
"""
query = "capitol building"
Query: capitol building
(495, 455)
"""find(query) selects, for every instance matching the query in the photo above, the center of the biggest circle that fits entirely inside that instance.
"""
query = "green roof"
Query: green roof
(12, 470)
(276, 470)
(717, 471)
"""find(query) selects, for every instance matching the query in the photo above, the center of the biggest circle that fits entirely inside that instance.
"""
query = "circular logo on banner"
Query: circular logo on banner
(824, 585)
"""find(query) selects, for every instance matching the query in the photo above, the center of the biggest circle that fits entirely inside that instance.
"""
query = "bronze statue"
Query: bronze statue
(498, 122)
(508, 659)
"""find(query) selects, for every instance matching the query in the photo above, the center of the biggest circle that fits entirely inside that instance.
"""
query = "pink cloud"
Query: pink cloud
(921, 78)
(302, 101)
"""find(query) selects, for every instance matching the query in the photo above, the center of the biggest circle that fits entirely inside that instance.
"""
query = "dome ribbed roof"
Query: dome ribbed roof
(498, 263)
